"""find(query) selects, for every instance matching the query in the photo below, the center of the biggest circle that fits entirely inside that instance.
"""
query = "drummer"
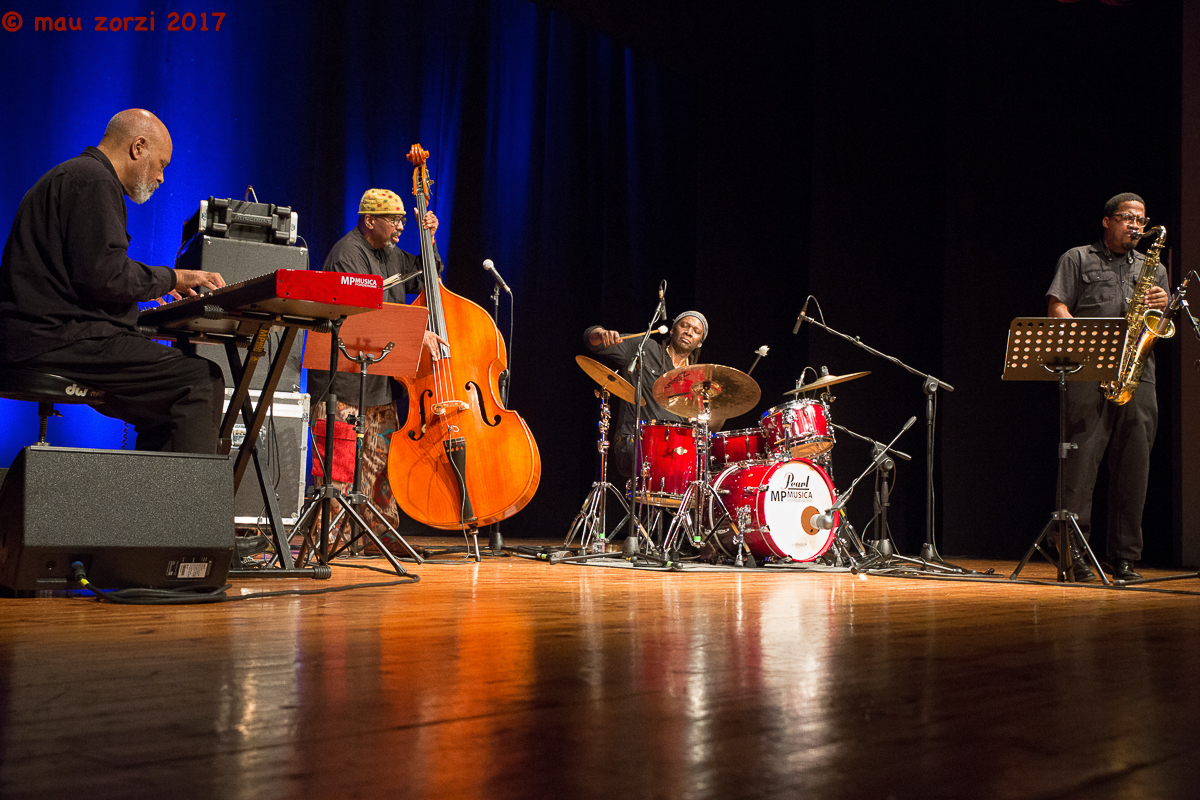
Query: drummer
(681, 348)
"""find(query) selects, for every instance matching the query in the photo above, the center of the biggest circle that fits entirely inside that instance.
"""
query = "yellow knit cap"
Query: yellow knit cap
(381, 201)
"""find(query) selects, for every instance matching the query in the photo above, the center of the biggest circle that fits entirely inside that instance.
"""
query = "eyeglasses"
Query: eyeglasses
(395, 222)
(1129, 218)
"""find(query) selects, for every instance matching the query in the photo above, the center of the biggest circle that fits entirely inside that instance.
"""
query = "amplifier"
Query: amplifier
(239, 261)
(238, 219)
(283, 452)
(133, 518)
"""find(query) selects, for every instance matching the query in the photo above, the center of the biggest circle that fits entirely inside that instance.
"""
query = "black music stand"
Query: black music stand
(364, 334)
(1064, 349)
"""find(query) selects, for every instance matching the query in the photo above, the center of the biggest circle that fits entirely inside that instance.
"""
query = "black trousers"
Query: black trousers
(1126, 434)
(173, 400)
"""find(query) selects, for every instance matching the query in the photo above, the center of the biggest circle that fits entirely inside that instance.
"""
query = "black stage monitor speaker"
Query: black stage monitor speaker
(134, 519)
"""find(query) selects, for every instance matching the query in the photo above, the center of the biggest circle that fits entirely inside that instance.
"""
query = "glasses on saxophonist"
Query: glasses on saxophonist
(1132, 219)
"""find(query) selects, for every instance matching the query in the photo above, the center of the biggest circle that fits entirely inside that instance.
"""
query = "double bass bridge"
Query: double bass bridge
(447, 406)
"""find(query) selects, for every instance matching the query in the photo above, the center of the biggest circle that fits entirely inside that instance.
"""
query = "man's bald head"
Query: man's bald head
(139, 146)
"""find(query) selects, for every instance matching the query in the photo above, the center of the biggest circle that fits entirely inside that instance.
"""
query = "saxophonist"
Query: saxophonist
(1098, 280)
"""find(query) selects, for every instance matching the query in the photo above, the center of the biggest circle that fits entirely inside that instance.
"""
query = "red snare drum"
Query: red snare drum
(774, 504)
(668, 463)
(733, 447)
(800, 428)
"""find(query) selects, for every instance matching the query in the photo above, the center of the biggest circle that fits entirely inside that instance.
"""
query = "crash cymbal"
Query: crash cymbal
(827, 380)
(607, 378)
(730, 392)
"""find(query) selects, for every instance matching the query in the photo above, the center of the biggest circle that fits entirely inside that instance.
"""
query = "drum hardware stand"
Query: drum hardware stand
(326, 493)
(929, 553)
(698, 491)
(1048, 363)
(841, 545)
(882, 543)
(591, 521)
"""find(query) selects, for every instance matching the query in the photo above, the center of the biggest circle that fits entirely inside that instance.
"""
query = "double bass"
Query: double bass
(461, 460)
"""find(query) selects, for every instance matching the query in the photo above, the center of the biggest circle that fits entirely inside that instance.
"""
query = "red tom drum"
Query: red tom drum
(736, 447)
(800, 428)
(668, 462)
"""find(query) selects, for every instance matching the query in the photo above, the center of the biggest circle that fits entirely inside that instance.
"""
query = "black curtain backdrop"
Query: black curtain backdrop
(918, 168)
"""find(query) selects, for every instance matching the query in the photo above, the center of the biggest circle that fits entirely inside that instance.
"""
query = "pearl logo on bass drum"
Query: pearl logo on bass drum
(794, 490)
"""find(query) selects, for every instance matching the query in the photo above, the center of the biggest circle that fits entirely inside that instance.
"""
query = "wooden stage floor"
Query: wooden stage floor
(515, 678)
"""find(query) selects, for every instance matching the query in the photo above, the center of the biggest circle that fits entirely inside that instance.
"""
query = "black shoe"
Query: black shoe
(1083, 573)
(1122, 570)
(246, 546)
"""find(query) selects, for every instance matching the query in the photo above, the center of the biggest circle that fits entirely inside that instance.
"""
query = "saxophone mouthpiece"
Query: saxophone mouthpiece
(1155, 231)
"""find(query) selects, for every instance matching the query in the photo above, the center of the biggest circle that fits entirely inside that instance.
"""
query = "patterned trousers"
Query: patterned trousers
(380, 422)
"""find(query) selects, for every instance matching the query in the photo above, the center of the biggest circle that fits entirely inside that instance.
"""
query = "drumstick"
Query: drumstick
(660, 329)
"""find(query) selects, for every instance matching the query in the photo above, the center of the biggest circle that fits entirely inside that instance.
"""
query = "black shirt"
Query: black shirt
(65, 274)
(657, 363)
(1093, 281)
(353, 253)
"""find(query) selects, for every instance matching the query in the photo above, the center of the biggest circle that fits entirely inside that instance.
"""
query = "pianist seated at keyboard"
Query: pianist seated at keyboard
(69, 291)
(370, 247)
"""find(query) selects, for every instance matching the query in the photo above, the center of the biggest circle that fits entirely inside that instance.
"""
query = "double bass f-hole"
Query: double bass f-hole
(494, 421)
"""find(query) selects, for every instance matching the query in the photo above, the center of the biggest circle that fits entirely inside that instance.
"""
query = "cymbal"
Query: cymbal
(607, 378)
(827, 380)
(730, 392)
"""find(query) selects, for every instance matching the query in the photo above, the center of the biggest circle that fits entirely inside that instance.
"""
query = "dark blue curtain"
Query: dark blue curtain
(560, 155)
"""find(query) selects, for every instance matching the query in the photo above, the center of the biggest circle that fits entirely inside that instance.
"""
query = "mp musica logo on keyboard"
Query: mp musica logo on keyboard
(360, 280)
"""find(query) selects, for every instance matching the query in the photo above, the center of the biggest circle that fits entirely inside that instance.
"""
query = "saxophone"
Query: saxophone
(1146, 325)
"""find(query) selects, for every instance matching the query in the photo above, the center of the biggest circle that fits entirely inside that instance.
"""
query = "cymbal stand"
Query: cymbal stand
(590, 522)
(699, 492)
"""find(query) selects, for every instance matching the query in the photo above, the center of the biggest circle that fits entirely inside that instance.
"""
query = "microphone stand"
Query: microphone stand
(845, 497)
(495, 537)
(630, 547)
(929, 386)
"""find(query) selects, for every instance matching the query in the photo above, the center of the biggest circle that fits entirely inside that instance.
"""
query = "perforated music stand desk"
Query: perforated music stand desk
(1071, 349)
(370, 333)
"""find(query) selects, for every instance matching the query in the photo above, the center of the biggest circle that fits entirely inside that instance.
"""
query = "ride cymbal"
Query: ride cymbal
(730, 392)
(826, 380)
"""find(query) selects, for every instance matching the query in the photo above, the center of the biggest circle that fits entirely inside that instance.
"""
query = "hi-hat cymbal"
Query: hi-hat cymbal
(607, 378)
(730, 392)
(827, 380)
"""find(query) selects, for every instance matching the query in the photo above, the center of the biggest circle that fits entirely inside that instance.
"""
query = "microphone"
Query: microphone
(824, 521)
(490, 267)
(662, 303)
(1191, 319)
(800, 318)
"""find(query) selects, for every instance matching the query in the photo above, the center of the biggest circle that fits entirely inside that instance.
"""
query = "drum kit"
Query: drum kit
(748, 495)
